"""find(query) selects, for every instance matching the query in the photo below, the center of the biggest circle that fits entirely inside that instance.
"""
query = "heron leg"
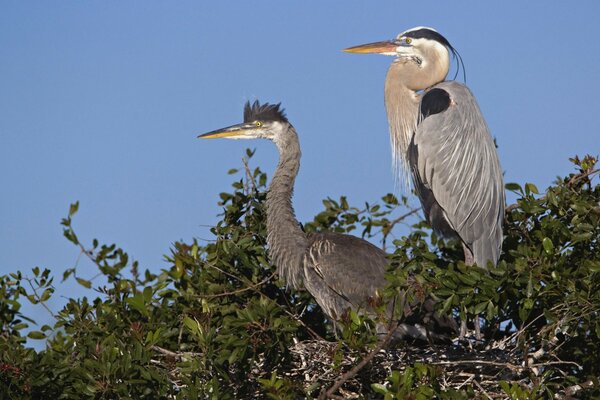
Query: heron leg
(463, 330)
(469, 259)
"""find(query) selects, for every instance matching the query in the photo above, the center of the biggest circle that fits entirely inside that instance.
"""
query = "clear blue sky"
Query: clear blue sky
(101, 102)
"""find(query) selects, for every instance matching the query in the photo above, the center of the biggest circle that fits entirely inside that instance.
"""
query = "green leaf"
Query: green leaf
(531, 188)
(379, 388)
(84, 282)
(192, 325)
(73, 208)
(147, 294)
(37, 335)
(593, 265)
(513, 187)
(137, 302)
(548, 246)
(46, 295)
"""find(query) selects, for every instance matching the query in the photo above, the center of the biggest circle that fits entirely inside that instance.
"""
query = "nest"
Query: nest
(323, 369)
(333, 371)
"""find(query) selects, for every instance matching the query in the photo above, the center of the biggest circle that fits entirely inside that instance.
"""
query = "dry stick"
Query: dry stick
(482, 389)
(330, 392)
(572, 390)
(481, 362)
(166, 352)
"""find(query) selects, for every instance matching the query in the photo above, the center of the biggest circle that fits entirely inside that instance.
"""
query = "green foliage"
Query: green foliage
(219, 324)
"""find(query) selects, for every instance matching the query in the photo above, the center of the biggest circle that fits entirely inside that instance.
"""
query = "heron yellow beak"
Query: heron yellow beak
(387, 47)
(239, 131)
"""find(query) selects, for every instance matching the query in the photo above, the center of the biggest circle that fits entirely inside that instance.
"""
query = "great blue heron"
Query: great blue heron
(341, 271)
(439, 134)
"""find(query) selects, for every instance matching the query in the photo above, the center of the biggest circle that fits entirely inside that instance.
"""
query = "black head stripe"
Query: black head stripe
(264, 112)
(428, 34)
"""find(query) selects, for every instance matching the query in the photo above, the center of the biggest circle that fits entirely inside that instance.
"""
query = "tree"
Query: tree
(220, 324)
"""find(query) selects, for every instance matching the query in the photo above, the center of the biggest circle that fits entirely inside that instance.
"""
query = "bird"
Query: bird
(342, 272)
(440, 139)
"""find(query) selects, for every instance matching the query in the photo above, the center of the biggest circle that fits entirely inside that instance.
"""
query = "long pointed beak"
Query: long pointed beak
(239, 131)
(387, 47)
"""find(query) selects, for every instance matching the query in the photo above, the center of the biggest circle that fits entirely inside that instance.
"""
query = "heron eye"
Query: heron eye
(408, 40)
(258, 124)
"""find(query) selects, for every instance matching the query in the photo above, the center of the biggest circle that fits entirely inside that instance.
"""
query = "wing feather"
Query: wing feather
(456, 171)
(343, 271)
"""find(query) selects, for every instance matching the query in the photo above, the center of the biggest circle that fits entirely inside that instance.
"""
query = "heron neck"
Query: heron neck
(287, 242)
(402, 105)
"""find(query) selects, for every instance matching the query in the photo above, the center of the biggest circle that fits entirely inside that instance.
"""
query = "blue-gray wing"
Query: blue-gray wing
(457, 172)
(343, 271)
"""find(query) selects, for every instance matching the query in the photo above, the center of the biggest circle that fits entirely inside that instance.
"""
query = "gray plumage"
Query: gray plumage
(457, 175)
(342, 272)
(441, 141)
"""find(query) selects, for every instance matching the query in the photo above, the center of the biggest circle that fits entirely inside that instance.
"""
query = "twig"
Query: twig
(469, 379)
(404, 216)
(314, 334)
(330, 392)
(166, 352)
(578, 177)
(248, 174)
(512, 367)
(174, 354)
(571, 182)
(572, 390)
(394, 222)
(268, 278)
(38, 298)
(556, 363)
(482, 389)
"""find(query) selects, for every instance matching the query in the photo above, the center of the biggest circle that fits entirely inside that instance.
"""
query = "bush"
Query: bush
(220, 324)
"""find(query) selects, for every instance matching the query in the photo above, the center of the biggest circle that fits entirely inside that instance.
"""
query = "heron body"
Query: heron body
(342, 272)
(440, 139)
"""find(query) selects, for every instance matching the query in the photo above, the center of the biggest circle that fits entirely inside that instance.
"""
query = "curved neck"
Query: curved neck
(287, 242)
(402, 105)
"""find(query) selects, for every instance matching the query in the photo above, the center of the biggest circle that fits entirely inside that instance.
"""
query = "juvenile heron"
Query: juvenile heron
(440, 137)
(341, 272)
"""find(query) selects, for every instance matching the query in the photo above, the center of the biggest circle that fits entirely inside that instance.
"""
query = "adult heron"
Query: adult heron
(440, 137)
(341, 272)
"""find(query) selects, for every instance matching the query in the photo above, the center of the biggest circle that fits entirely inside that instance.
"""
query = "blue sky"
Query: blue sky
(101, 102)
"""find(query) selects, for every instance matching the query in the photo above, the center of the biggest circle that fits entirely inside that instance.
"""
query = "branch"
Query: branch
(334, 388)
(404, 216)
(574, 179)
(510, 366)
(396, 221)
(249, 177)
(572, 390)
(38, 298)
(174, 354)
(268, 278)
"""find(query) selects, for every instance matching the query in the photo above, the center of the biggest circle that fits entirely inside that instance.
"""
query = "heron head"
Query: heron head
(419, 50)
(266, 121)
